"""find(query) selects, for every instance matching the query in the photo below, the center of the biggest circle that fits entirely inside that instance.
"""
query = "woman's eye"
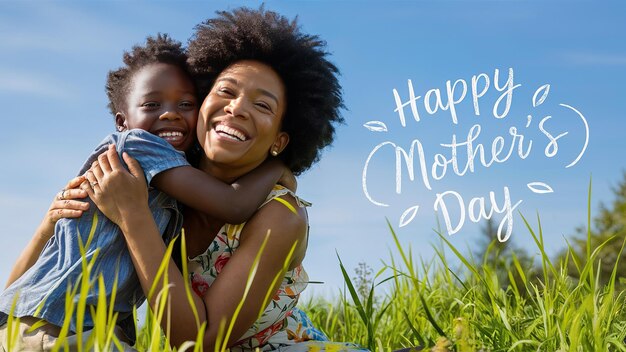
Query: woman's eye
(264, 106)
(225, 91)
(150, 105)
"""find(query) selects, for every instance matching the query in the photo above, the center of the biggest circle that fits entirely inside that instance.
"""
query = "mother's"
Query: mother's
(272, 93)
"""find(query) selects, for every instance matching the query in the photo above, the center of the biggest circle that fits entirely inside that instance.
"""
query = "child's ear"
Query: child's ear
(281, 141)
(120, 122)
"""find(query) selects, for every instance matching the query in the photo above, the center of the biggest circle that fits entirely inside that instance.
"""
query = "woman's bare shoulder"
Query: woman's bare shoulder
(281, 215)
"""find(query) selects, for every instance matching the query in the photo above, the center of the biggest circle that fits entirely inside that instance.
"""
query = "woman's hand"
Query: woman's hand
(64, 205)
(117, 192)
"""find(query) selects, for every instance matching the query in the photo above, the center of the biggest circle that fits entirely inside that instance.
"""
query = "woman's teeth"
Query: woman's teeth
(230, 132)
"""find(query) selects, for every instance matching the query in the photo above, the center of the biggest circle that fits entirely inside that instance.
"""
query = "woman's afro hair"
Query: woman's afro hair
(311, 85)
(159, 49)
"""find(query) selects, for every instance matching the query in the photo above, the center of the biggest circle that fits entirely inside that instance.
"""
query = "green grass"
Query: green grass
(431, 303)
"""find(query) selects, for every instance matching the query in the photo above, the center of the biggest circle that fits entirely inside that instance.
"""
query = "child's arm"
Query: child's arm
(64, 205)
(231, 203)
(288, 180)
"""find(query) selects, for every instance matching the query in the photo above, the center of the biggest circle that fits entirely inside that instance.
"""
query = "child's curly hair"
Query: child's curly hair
(313, 92)
(159, 49)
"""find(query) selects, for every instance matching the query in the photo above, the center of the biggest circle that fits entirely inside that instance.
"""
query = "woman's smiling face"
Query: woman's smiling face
(240, 119)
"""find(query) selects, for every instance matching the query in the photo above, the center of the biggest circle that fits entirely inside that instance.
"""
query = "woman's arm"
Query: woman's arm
(286, 230)
(64, 205)
(123, 198)
(230, 203)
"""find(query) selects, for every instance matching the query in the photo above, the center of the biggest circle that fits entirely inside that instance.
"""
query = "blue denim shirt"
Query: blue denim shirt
(41, 291)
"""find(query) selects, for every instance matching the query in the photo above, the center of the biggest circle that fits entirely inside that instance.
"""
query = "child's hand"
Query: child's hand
(64, 205)
(288, 180)
(116, 192)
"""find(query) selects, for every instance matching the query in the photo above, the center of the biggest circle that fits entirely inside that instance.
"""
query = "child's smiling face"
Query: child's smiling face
(162, 100)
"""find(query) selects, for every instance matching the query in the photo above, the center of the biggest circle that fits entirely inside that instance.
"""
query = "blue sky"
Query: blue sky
(56, 56)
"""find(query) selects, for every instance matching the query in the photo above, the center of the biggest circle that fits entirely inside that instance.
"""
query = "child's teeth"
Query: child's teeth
(170, 134)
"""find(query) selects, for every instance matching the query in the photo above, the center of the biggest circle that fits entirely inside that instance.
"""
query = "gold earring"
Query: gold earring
(274, 153)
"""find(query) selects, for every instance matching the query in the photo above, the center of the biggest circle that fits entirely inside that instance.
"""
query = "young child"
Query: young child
(155, 106)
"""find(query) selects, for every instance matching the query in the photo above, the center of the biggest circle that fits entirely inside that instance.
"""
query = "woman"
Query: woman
(273, 94)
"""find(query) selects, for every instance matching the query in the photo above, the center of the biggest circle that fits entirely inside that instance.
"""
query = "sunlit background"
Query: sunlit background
(55, 57)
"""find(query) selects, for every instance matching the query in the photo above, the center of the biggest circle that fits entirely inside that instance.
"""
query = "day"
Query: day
(477, 209)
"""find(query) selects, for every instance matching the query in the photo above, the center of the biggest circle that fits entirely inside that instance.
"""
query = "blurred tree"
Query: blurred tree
(363, 280)
(495, 258)
(490, 250)
(609, 222)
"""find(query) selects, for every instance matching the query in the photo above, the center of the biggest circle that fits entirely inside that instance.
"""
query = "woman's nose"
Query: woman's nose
(237, 107)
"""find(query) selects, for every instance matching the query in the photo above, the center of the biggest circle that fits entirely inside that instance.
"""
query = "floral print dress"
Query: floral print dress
(282, 326)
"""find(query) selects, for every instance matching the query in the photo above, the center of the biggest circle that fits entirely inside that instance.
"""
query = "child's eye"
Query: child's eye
(187, 105)
(150, 105)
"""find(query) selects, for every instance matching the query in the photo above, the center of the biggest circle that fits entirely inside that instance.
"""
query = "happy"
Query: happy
(434, 99)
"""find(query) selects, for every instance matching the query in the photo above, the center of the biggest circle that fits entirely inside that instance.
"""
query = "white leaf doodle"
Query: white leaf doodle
(410, 213)
(376, 126)
(544, 89)
(539, 187)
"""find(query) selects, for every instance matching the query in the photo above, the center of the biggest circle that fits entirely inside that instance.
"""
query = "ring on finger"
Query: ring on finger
(93, 184)
(61, 195)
